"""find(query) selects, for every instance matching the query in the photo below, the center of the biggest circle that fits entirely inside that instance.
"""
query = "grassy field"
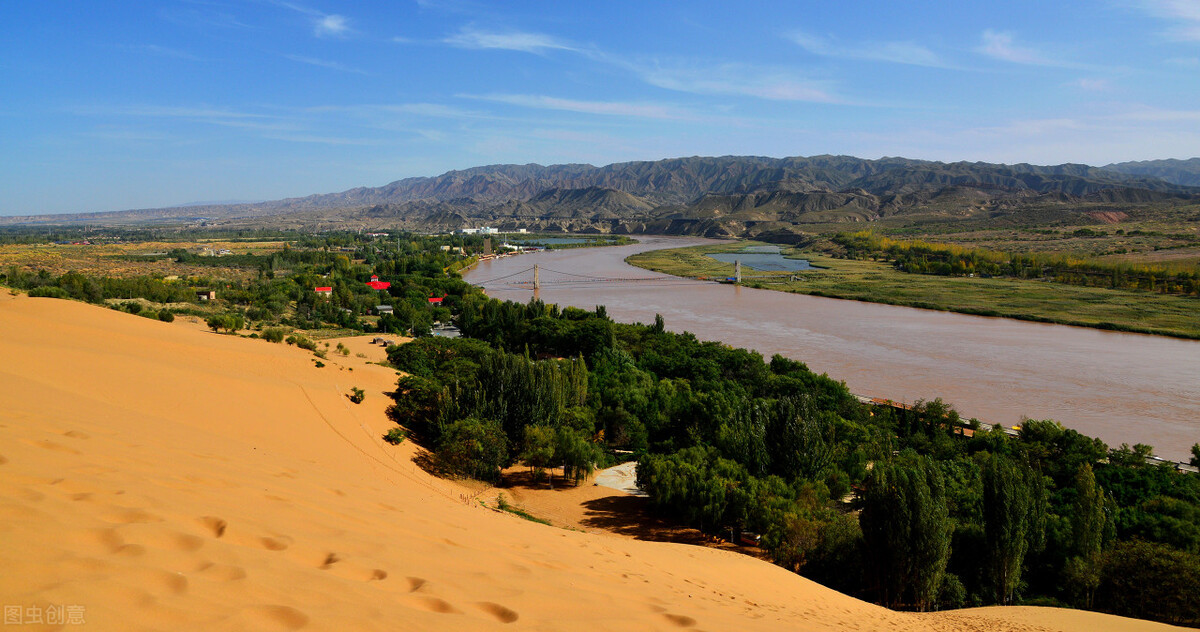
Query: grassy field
(879, 282)
(112, 259)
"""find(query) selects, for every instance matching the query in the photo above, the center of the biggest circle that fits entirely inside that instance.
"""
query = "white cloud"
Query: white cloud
(470, 37)
(324, 25)
(898, 52)
(1184, 13)
(738, 80)
(609, 108)
(332, 26)
(324, 63)
(1091, 85)
(1002, 45)
(161, 51)
(1187, 62)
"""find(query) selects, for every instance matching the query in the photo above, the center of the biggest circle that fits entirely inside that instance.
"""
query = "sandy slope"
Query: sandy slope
(164, 477)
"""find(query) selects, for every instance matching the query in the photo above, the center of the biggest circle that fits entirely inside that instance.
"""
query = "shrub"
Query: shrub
(49, 291)
(320, 365)
(302, 341)
(167, 316)
(356, 395)
(132, 307)
(395, 436)
(273, 334)
(474, 447)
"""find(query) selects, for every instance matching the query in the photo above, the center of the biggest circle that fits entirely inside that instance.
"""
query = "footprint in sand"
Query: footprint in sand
(275, 544)
(415, 584)
(501, 613)
(330, 560)
(275, 618)
(216, 526)
(432, 604)
(75, 434)
(220, 572)
(131, 516)
(50, 445)
(3, 460)
(680, 620)
(159, 581)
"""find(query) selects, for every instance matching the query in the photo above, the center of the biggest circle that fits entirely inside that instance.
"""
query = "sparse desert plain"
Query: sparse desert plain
(158, 476)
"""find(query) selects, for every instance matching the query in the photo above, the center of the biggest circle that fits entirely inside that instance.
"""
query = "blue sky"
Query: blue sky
(132, 104)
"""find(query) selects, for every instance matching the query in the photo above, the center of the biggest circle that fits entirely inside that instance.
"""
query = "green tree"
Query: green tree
(1195, 455)
(1011, 504)
(474, 447)
(538, 449)
(576, 452)
(906, 531)
(1087, 530)
(1151, 581)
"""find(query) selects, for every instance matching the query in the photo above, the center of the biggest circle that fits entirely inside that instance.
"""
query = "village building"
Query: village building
(324, 291)
(376, 284)
(383, 309)
(206, 295)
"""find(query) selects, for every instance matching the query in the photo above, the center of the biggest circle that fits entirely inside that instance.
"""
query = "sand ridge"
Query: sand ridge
(168, 478)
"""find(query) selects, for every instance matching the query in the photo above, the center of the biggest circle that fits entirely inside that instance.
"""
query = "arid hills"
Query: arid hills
(744, 196)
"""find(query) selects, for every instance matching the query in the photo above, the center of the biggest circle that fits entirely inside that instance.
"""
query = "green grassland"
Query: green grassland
(879, 282)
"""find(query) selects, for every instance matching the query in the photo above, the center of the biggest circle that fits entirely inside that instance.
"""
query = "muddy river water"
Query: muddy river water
(1123, 388)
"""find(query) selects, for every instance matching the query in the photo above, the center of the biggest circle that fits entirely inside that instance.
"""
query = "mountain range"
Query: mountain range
(713, 196)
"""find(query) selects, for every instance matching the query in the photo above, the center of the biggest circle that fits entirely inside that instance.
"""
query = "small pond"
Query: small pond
(756, 258)
(552, 241)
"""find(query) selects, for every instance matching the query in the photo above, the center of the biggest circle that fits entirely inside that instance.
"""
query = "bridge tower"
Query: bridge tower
(537, 277)
(737, 270)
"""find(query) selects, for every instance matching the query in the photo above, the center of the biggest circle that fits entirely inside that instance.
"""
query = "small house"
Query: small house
(376, 284)
(383, 309)
(324, 291)
(435, 299)
(206, 295)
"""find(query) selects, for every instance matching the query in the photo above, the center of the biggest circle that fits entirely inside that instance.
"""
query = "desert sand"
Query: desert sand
(159, 476)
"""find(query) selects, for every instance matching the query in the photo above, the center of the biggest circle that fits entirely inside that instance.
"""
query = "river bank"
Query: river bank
(880, 282)
(1121, 387)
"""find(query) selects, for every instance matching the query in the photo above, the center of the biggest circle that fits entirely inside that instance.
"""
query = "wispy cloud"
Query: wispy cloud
(324, 63)
(1091, 85)
(471, 37)
(160, 51)
(774, 84)
(332, 26)
(608, 108)
(897, 52)
(198, 114)
(1184, 13)
(428, 110)
(324, 24)
(1002, 45)
(327, 140)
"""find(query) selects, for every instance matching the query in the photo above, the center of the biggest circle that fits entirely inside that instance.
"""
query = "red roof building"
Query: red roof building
(326, 291)
(378, 285)
(436, 299)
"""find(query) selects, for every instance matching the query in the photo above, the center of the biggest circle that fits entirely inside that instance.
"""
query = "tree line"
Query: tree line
(922, 257)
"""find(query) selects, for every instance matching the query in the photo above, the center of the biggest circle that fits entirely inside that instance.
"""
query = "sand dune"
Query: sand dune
(157, 476)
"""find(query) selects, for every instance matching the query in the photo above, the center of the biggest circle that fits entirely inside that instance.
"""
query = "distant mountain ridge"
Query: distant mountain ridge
(1183, 172)
(682, 180)
(714, 196)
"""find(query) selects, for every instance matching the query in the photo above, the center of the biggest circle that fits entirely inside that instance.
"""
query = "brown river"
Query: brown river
(1123, 388)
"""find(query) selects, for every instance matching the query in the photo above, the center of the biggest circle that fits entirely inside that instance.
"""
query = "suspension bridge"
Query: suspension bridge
(537, 277)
